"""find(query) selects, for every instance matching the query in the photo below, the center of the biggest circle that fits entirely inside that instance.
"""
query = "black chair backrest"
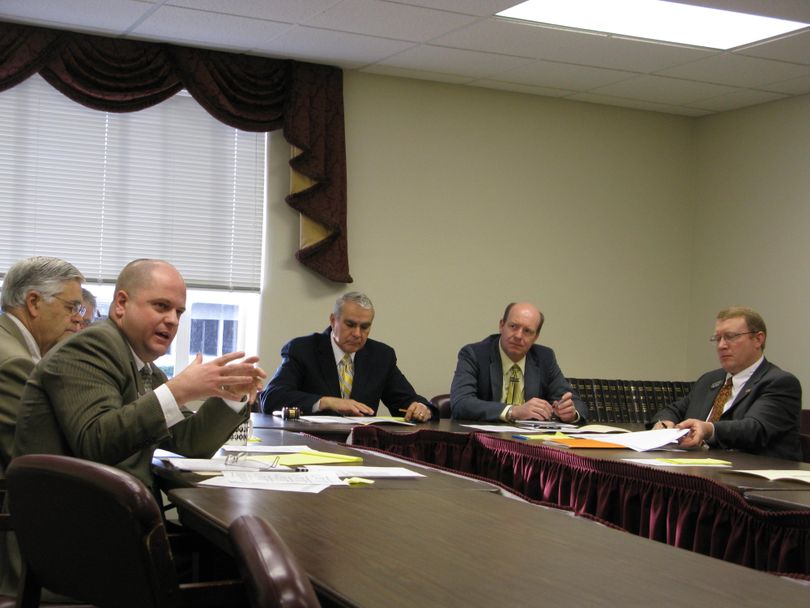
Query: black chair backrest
(442, 403)
(272, 576)
(91, 532)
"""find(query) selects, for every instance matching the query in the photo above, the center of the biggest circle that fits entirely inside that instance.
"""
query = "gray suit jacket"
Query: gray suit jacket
(15, 366)
(85, 399)
(763, 419)
(478, 381)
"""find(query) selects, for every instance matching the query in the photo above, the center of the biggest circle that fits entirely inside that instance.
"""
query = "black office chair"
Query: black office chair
(92, 532)
(442, 403)
(271, 574)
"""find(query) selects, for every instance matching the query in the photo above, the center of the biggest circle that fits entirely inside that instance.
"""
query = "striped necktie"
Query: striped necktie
(345, 375)
(720, 401)
(514, 395)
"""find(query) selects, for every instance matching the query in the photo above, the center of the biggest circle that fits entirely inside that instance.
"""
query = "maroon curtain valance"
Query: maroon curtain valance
(250, 93)
(686, 511)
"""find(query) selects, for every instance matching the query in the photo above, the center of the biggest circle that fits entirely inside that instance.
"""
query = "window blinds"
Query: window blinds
(100, 189)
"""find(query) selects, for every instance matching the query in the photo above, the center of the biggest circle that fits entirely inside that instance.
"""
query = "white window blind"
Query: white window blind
(100, 189)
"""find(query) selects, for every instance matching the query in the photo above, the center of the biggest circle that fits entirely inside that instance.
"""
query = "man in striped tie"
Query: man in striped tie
(749, 403)
(342, 371)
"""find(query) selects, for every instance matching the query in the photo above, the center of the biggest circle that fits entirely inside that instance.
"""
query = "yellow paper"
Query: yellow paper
(693, 462)
(359, 481)
(307, 457)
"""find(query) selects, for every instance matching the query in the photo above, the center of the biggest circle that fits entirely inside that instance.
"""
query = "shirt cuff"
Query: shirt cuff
(236, 406)
(504, 413)
(171, 411)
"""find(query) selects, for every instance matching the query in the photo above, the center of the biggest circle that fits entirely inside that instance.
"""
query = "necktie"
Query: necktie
(720, 401)
(345, 375)
(146, 379)
(513, 392)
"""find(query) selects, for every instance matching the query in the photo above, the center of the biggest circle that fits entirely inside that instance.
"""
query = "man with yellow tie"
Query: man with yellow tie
(749, 403)
(342, 371)
(508, 377)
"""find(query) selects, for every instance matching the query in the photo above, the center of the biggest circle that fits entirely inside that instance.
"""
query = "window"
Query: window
(100, 189)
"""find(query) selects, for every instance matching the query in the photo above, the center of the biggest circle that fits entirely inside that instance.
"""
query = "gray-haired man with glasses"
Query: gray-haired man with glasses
(749, 403)
(42, 304)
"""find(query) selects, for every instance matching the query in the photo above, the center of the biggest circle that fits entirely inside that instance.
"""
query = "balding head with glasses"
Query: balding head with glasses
(749, 403)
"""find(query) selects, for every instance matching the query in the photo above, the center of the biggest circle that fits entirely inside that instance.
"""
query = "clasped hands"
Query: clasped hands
(540, 409)
(221, 377)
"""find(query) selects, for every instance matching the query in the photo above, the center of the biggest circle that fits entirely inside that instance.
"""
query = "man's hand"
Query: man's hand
(699, 431)
(534, 409)
(565, 409)
(417, 412)
(345, 407)
(218, 378)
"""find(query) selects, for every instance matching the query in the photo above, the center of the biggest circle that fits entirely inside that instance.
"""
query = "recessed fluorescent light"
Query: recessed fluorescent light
(655, 20)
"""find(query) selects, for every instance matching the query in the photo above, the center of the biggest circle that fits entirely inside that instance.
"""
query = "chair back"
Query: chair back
(271, 574)
(91, 532)
(442, 403)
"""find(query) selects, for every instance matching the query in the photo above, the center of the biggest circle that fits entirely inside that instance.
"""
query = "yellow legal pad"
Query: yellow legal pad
(694, 462)
(307, 457)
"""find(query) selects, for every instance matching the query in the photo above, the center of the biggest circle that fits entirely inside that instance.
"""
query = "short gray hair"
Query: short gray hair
(355, 297)
(89, 299)
(40, 273)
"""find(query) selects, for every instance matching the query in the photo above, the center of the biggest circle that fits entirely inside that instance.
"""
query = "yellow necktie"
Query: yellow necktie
(514, 396)
(345, 375)
(720, 401)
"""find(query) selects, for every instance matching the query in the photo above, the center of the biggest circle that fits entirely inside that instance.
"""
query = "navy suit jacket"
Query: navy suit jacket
(478, 381)
(763, 419)
(308, 372)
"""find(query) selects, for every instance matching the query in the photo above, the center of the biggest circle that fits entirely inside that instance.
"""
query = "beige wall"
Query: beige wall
(462, 199)
(751, 227)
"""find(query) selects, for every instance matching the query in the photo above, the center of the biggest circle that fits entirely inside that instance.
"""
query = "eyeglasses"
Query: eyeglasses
(75, 308)
(729, 338)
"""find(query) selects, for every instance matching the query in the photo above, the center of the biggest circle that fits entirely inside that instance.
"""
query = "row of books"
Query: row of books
(627, 400)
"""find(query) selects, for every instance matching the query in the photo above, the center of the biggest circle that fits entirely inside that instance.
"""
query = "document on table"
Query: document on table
(356, 420)
(217, 465)
(679, 462)
(371, 472)
(774, 474)
(497, 428)
(641, 441)
(265, 449)
(311, 483)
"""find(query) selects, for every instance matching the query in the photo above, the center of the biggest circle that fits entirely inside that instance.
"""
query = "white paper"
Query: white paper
(284, 482)
(353, 420)
(363, 471)
(499, 428)
(641, 441)
(266, 449)
(216, 465)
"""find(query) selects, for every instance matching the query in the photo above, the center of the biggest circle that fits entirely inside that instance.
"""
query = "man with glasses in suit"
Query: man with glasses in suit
(748, 404)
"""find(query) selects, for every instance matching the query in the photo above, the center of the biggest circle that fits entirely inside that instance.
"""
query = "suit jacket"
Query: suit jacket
(763, 419)
(15, 366)
(308, 372)
(478, 381)
(85, 399)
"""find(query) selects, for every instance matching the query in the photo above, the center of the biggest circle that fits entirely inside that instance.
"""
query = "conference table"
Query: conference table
(449, 539)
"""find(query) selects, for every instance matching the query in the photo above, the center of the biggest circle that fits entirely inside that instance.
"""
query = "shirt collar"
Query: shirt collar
(507, 363)
(30, 343)
(740, 378)
(336, 350)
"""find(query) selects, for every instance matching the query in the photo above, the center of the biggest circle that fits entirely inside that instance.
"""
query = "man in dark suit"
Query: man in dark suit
(342, 371)
(508, 377)
(749, 404)
(42, 305)
(100, 396)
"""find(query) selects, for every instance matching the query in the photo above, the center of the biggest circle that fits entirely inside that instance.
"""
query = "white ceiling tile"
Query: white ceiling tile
(501, 36)
(795, 86)
(562, 76)
(468, 7)
(389, 20)
(387, 70)
(288, 11)
(637, 104)
(333, 48)
(738, 99)
(738, 71)
(659, 89)
(521, 88)
(94, 16)
(454, 61)
(795, 48)
(201, 28)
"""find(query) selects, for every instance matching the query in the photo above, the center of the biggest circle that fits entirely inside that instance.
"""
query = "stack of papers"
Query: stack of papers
(640, 441)
(356, 420)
